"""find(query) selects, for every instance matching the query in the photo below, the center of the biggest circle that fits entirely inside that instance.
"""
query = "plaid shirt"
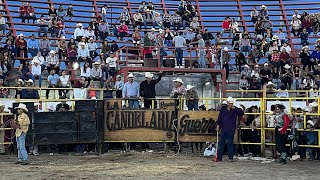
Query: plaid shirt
(176, 19)
(52, 60)
(275, 57)
(167, 18)
(124, 16)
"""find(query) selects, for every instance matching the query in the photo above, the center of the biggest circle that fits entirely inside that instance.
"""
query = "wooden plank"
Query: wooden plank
(197, 126)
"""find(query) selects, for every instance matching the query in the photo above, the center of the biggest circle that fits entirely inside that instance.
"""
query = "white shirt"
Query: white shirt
(288, 49)
(89, 33)
(103, 10)
(111, 61)
(179, 41)
(36, 70)
(78, 32)
(64, 80)
(41, 59)
(2, 20)
(83, 52)
(85, 74)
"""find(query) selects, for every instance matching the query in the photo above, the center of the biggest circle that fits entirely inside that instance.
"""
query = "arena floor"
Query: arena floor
(138, 165)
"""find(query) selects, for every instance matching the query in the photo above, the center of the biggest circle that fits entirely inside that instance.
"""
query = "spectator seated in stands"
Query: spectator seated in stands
(61, 28)
(52, 12)
(315, 56)
(254, 15)
(96, 73)
(65, 83)
(194, 25)
(243, 84)
(286, 47)
(306, 23)
(53, 82)
(104, 53)
(263, 12)
(42, 25)
(41, 60)
(295, 26)
(125, 16)
(190, 9)
(136, 37)
(30, 93)
(281, 36)
(83, 53)
(3, 25)
(44, 45)
(70, 11)
(234, 26)
(284, 58)
(21, 46)
(79, 32)
(111, 65)
(23, 12)
(92, 47)
(149, 19)
(4, 92)
(60, 12)
(167, 19)
(286, 76)
(62, 46)
(265, 74)
(36, 71)
(143, 7)
(6, 61)
(306, 58)
(20, 84)
(52, 27)
(275, 58)
(33, 46)
(89, 33)
(176, 21)
(245, 45)
(104, 31)
(123, 30)
(304, 35)
(25, 70)
(158, 19)
(9, 50)
(31, 14)
(152, 36)
(53, 62)
(85, 71)
(186, 19)
(72, 54)
(226, 26)
(81, 83)
(138, 19)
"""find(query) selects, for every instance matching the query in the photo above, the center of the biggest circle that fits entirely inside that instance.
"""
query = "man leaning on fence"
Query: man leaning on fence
(131, 92)
(226, 127)
(148, 90)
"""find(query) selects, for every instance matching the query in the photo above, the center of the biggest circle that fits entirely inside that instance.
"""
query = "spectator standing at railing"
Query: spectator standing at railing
(104, 30)
(148, 90)
(31, 13)
(125, 16)
(23, 12)
(201, 51)
(254, 15)
(131, 91)
(167, 19)
(52, 62)
(79, 32)
(192, 98)
(36, 71)
(70, 11)
(118, 86)
(179, 89)
(179, 42)
(311, 138)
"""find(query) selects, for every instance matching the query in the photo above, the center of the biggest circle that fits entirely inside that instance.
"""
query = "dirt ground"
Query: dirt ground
(145, 165)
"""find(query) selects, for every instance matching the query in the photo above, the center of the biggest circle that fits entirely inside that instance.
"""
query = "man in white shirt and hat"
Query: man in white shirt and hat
(148, 90)
(79, 32)
(96, 73)
(36, 71)
(83, 53)
(131, 91)
(53, 62)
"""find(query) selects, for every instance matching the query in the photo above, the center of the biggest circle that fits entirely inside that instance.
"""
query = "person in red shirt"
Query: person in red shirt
(61, 28)
(123, 30)
(226, 26)
(31, 13)
(21, 45)
(23, 12)
(284, 58)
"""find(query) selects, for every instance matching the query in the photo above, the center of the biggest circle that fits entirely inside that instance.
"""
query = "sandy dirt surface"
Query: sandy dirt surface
(139, 165)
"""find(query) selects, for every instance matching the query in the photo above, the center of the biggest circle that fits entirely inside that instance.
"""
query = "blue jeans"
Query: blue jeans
(80, 148)
(33, 52)
(21, 146)
(39, 77)
(179, 55)
(202, 61)
(27, 76)
(226, 137)
(133, 104)
(168, 43)
(223, 30)
(193, 105)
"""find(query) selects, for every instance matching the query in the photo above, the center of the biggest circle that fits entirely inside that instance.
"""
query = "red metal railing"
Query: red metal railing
(241, 15)
(10, 18)
(199, 15)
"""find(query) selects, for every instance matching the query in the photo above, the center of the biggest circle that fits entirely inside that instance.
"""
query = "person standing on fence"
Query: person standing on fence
(226, 126)
(131, 91)
(282, 124)
(22, 127)
(148, 90)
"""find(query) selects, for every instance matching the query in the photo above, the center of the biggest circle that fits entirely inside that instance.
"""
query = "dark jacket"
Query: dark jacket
(147, 90)
(29, 94)
(227, 119)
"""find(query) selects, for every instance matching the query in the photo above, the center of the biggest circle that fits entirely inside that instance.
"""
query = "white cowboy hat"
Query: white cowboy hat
(30, 81)
(270, 84)
(130, 75)
(36, 104)
(21, 34)
(189, 87)
(36, 61)
(178, 80)
(82, 43)
(22, 106)
(96, 63)
(257, 65)
(118, 76)
(287, 66)
(224, 102)
(52, 52)
(307, 109)
(313, 104)
(263, 6)
(247, 66)
(231, 100)
(226, 48)
(79, 24)
(305, 47)
(265, 64)
(278, 103)
(148, 75)
(20, 80)
(274, 37)
(63, 37)
(310, 122)
(93, 98)
(153, 29)
(1, 104)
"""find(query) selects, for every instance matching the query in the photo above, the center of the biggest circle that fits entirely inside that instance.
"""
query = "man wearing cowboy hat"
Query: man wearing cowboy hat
(263, 12)
(226, 58)
(53, 62)
(192, 98)
(179, 89)
(79, 32)
(36, 71)
(265, 73)
(22, 124)
(148, 90)
(131, 91)
(83, 53)
(96, 73)
(226, 127)
(282, 125)
(118, 86)
(29, 93)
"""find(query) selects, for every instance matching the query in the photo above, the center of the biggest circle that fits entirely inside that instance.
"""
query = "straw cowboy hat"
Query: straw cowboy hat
(314, 104)
(130, 75)
(178, 80)
(287, 66)
(256, 66)
(226, 48)
(148, 75)
(63, 37)
(247, 66)
(270, 84)
(189, 87)
(263, 6)
(20, 80)
(310, 122)
(30, 81)
(22, 106)
(52, 52)
(307, 109)
(21, 35)
(265, 64)
(305, 47)
(82, 43)
(274, 38)
(118, 76)
(153, 29)
(231, 100)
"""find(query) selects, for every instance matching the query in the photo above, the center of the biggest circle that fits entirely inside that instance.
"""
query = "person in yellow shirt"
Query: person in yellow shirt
(22, 124)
